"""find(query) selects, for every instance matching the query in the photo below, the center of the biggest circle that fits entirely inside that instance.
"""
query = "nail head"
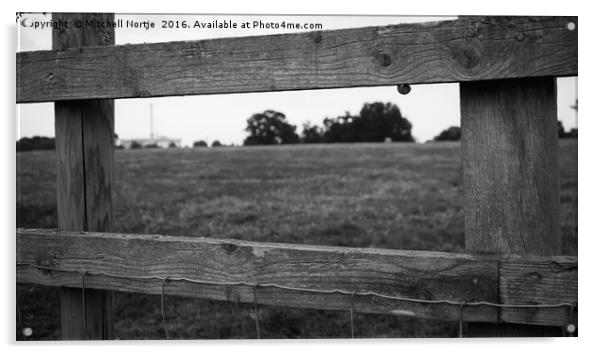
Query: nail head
(404, 89)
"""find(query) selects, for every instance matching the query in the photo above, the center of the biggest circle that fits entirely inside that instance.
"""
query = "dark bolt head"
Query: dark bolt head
(384, 59)
(404, 89)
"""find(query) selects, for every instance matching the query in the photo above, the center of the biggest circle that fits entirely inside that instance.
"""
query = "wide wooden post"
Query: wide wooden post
(510, 166)
(84, 150)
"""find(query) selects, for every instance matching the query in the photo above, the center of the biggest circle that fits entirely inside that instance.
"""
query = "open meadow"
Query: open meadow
(401, 196)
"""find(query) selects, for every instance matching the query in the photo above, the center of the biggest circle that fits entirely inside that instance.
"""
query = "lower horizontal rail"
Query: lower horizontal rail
(434, 285)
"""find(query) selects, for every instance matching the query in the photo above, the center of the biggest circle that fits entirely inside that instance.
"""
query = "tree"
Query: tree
(172, 145)
(135, 145)
(200, 143)
(269, 128)
(564, 134)
(35, 143)
(312, 134)
(340, 129)
(561, 131)
(573, 133)
(450, 134)
(377, 122)
(216, 143)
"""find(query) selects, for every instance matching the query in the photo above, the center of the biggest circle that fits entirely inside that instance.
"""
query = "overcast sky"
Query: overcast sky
(430, 108)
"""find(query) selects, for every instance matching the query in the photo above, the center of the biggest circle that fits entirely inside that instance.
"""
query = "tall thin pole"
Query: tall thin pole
(576, 98)
(152, 133)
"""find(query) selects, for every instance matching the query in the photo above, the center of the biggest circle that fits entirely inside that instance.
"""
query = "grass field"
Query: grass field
(404, 196)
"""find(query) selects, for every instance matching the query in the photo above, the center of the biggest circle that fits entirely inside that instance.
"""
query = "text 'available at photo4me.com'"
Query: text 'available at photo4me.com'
(184, 24)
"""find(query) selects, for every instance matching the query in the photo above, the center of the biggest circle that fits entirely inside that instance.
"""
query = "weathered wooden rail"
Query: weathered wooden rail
(302, 276)
(506, 67)
(450, 51)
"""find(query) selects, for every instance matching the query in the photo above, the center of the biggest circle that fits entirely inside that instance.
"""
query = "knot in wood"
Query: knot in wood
(384, 59)
(229, 247)
(317, 37)
(52, 81)
(519, 36)
(468, 57)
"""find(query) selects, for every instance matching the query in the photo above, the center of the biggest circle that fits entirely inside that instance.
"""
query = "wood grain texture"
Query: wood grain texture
(535, 281)
(413, 274)
(84, 150)
(467, 49)
(511, 188)
(510, 164)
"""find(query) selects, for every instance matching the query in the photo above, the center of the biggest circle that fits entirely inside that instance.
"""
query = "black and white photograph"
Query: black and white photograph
(261, 176)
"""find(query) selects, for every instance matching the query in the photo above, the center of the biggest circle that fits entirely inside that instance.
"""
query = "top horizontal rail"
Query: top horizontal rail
(467, 49)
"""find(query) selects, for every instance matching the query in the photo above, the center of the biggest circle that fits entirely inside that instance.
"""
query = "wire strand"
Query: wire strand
(351, 316)
(163, 307)
(256, 313)
(19, 319)
(309, 290)
(84, 314)
(461, 321)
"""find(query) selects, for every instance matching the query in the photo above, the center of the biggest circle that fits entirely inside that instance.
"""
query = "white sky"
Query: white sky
(430, 108)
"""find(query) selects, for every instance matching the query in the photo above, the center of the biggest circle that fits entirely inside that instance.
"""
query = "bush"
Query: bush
(200, 143)
(450, 134)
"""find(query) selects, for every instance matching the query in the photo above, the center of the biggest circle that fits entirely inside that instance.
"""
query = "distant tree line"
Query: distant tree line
(454, 133)
(138, 145)
(376, 122)
(35, 143)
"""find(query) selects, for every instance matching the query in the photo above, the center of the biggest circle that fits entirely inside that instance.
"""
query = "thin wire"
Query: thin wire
(237, 313)
(84, 314)
(256, 313)
(163, 307)
(351, 311)
(461, 322)
(19, 319)
(570, 334)
(317, 291)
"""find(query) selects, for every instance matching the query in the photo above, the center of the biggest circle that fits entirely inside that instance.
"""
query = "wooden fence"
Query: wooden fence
(513, 275)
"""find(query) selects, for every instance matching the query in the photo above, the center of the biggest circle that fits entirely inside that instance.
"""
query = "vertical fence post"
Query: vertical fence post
(510, 175)
(84, 133)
